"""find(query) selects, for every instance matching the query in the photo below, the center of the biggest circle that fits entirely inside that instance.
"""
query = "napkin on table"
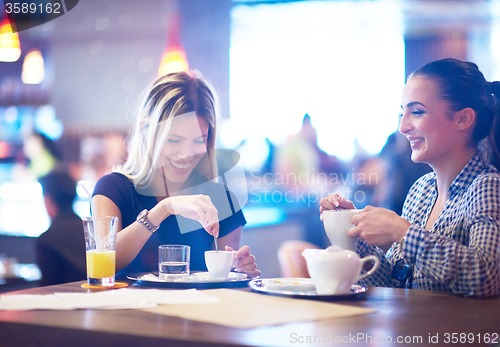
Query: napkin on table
(31, 302)
(241, 309)
(126, 298)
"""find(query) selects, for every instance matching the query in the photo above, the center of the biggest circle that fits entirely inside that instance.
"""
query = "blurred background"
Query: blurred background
(309, 90)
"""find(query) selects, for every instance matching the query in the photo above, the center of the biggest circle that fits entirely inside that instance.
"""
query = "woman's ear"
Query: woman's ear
(465, 119)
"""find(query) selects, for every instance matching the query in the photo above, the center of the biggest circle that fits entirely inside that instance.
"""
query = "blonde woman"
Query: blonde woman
(165, 193)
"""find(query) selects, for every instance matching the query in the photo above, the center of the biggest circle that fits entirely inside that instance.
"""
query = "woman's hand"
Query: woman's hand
(378, 226)
(197, 207)
(245, 262)
(334, 201)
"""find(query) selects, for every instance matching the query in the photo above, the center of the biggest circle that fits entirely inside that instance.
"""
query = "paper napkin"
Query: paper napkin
(126, 298)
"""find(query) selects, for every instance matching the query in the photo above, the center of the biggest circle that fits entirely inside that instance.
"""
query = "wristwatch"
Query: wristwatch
(143, 219)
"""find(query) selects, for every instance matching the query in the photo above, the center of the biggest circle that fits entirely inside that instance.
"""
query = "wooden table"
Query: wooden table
(407, 316)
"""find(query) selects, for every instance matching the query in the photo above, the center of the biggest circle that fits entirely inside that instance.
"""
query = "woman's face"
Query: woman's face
(425, 122)
(184, 147)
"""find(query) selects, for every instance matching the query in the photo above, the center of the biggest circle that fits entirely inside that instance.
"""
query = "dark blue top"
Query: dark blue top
(174, 229)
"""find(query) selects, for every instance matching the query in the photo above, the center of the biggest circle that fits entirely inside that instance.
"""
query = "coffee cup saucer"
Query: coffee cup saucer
(199, 280)
(297, 288)
(205, 277)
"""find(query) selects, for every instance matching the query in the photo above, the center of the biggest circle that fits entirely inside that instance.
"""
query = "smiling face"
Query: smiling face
(426, 123)
(185, 145)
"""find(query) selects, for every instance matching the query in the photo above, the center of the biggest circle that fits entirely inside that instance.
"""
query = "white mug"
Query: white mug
(337, 224)
(334, 270)
(219, 263)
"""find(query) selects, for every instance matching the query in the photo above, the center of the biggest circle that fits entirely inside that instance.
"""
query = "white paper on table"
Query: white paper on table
(113, 299)
(176, 297)
(32, 302)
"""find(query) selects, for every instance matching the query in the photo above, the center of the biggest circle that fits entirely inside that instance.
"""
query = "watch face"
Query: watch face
(142, 214)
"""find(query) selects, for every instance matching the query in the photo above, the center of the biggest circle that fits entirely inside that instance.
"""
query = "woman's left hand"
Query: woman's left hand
(378, 226)
(245, 262)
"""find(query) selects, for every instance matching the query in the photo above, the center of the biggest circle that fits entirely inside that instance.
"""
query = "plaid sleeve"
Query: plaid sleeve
(467, 268)
(382, 277)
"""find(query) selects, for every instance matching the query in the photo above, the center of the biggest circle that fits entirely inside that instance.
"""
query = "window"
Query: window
(340, 62)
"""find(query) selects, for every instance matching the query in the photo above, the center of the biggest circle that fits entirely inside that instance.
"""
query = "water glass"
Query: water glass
(173, 262)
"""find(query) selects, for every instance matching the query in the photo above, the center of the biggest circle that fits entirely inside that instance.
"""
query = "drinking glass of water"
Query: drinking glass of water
(173, 262)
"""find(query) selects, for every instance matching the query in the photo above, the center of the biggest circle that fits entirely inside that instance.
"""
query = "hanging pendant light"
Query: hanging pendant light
(174, 57)
(33, 67)
(173, 60)
(10, 47)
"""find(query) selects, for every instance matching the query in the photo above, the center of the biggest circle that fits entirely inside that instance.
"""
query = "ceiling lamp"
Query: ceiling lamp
(33, 68)
(174, 57)
(173, 60)
(10, 48)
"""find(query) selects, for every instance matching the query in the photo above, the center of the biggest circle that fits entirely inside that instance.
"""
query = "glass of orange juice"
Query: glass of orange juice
(100, 238)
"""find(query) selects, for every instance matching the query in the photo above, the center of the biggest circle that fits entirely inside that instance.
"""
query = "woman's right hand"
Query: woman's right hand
(197, 207)
(334, 201)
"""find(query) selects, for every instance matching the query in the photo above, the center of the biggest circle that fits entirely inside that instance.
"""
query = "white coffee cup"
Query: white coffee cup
(337, 224)
(334, 270)
(219, 263)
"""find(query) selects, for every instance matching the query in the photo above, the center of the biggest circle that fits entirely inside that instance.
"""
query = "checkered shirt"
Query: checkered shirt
(460, 253)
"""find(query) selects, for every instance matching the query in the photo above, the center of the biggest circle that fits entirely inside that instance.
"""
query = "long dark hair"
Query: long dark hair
(462, 85)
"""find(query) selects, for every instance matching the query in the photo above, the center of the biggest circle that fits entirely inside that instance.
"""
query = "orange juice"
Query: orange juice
(100, 263)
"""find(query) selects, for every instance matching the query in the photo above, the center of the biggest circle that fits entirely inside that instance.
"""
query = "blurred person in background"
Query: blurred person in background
(298, 160)
(302, 163)
(303, 171)
(448, 236)
(61, 249)
(100, 154)
(41, 153)
(370, 182)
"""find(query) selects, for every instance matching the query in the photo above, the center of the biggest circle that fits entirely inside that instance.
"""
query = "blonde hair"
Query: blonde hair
(169, 96)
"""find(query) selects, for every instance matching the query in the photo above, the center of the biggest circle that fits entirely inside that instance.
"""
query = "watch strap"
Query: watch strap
(143, 219)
